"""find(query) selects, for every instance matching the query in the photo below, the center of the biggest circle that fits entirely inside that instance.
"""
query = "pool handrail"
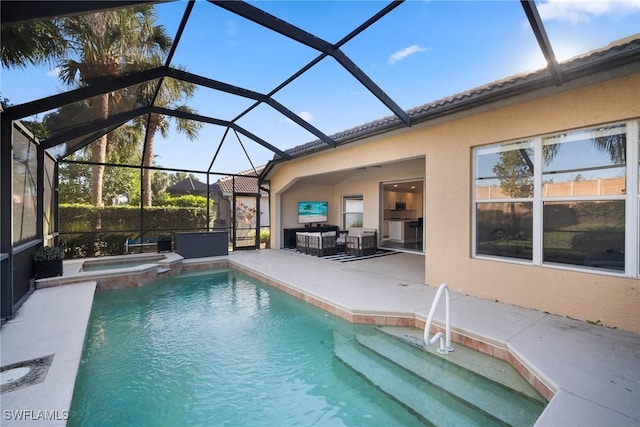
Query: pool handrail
(445, 340)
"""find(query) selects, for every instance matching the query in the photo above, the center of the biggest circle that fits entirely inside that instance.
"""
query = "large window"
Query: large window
(352, 211)
(560, 199)
(583, 193)
(504, 200)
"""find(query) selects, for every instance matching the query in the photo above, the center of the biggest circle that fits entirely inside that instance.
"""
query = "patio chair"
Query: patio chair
(322, 244)
(301, 242)
(361, 242)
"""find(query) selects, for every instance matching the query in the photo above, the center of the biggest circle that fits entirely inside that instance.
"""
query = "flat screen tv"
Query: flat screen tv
(311, 212)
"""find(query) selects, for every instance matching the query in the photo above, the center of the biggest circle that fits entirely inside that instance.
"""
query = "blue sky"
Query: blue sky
(420, 52)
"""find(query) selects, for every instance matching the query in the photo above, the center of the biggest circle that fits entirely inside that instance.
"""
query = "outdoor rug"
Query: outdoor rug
(343, 257)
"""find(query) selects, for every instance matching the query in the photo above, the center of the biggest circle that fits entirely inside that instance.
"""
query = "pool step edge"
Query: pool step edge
(433, 405)
(475, 390)
(483, 364)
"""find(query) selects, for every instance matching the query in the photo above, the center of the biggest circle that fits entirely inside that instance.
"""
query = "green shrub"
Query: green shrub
(78, 218)
(89, 245)
(164, 237)
(265, 236)
(112, 244)
(81, 246)
(48, 253)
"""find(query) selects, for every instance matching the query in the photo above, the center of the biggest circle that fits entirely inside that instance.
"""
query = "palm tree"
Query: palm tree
(170, 92)
(614, 145)
(109, 44)
(161, 181)
(33, 43)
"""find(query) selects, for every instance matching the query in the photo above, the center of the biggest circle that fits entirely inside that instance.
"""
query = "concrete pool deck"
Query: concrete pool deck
(593, 371)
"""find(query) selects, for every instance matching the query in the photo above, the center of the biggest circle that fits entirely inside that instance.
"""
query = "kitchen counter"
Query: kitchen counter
(404, 230)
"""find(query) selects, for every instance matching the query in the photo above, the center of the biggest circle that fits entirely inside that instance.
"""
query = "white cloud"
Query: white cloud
(582, 11)
(408, 51)
(306, 116)
(54, 73)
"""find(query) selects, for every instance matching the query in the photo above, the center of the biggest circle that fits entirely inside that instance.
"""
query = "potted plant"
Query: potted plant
(47, 261)
(265, 239)
(164, 242)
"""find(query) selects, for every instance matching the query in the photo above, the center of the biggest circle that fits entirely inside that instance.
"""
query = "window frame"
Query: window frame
(631, 199)
(526, 199)
(359, 197)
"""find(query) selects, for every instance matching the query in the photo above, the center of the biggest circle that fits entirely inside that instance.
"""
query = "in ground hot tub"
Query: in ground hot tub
(111, 263)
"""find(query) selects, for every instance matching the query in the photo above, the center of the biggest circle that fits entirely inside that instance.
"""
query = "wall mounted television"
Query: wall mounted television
(312, 212)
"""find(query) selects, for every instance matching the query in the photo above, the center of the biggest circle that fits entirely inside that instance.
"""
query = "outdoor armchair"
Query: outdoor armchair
(318, 244)
(321, 244)
(361, 241)
(301, 242)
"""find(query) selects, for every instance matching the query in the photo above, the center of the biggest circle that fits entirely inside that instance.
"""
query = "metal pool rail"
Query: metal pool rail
(445, 342)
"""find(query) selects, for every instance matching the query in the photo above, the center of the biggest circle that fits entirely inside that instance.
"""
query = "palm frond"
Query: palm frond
(33, 43)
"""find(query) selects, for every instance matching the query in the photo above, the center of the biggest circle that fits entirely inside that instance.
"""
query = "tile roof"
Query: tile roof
(602, 59)
(244, 184)
(188, 186)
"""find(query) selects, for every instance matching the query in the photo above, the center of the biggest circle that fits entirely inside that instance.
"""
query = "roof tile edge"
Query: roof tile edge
(522, 81)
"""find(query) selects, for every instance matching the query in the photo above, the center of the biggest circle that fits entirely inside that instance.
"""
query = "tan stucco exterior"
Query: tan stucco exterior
(441, 154)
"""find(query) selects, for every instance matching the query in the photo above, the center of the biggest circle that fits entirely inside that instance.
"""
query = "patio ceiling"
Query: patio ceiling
(238, 99)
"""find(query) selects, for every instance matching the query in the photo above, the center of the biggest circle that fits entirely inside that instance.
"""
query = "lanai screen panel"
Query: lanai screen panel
(49, 199)
(331, 99)
(274, 128)
(25, 190)
(223, 46)
(83, 63)
(456, 47)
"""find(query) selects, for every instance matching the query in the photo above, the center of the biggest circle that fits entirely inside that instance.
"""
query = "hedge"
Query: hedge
(76, 218)
(78, 225)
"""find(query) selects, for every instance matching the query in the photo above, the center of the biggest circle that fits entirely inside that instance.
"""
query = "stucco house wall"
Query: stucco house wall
(443, 153)
(289, 202)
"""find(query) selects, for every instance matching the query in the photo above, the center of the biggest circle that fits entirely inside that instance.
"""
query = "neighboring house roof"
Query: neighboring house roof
(624, 51)
(245, 182)
(188, 186)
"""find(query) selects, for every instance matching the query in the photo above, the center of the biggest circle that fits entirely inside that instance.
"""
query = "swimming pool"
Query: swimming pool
(221, 348)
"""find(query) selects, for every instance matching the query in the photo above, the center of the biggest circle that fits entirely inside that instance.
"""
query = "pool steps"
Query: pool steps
(404, 388)
(472, 360)
(411, 376)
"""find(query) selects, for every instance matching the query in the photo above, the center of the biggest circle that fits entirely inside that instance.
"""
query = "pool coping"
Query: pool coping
(572, 400)
(536, 379)
(52, 321)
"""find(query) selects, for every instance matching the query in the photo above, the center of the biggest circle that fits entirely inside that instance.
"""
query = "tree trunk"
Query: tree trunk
(147, 160)
(99, 152)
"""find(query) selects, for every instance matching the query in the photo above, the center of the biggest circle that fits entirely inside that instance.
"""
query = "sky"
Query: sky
(420, 52)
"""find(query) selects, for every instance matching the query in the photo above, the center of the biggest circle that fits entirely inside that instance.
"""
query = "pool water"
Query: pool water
(222, 349)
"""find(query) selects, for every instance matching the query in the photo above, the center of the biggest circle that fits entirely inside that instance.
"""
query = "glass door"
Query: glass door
(246, 216)
(402, 215)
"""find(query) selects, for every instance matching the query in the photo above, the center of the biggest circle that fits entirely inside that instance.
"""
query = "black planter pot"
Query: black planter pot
(164, 246)
(49, 268)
